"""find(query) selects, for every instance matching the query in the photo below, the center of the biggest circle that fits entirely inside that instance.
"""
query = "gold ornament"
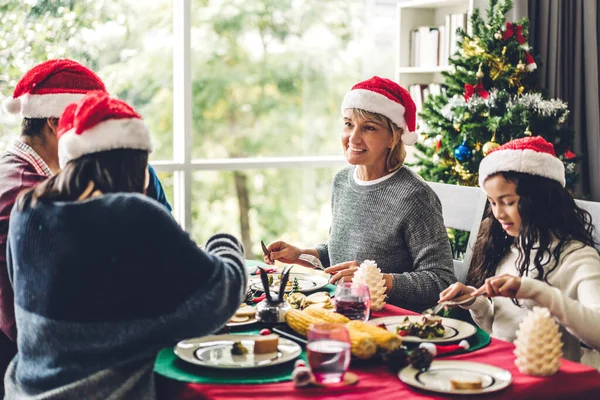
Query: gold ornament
(489, 146)
(479, 73)
(521, 66)
(462, 172)
(466, 116)
(477, 146)
(498, 35)
(497, 67)
(472, 48)
(457, 127)
(521, 89)
(527, 132)
(485, 114)
(503, 51)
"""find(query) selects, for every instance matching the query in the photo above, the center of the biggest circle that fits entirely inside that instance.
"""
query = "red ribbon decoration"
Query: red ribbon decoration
(516, 30)
(569, 155)
(470, 90)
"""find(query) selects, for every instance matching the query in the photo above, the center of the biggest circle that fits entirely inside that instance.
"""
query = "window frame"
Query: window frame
(182, 166)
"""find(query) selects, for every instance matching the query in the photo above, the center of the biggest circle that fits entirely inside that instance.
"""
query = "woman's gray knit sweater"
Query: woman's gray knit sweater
(397, 223)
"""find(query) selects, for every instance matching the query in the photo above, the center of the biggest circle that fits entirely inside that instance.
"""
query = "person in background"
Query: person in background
(40, 97)
(103, 276)
(535, 248)
(382, 211)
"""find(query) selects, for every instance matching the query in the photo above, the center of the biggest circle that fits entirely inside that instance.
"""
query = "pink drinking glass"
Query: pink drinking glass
(328, 352)
(353, 300)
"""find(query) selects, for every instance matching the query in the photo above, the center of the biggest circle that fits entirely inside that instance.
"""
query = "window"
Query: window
(241, 96)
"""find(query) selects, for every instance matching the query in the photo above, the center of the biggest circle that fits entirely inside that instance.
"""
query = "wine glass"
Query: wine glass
(353, 300)
(328, 351)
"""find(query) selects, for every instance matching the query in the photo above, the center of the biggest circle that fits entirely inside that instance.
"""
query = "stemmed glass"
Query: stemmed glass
(328, 351)
(353, 300)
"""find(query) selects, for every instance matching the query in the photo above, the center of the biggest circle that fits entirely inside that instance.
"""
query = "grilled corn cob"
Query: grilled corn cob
(300, 321)
(384, 339)
(363, 345)
(326, 315)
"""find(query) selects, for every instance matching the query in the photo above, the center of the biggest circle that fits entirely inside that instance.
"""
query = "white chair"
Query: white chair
(594, 209)
(463, 208)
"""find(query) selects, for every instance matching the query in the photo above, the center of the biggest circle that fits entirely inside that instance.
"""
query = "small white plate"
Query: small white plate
(454, 329)
(307, 282)
(437, 378)
(215, 352)
(251, 321)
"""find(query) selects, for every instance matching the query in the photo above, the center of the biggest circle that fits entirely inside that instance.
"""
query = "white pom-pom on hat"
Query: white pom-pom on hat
(409, 138)
(12, 105)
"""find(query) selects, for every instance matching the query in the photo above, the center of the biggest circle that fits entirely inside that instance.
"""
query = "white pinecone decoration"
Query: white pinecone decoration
(538, 344)
(370, 275)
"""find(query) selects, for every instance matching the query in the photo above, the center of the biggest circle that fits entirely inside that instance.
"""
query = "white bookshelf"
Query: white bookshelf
(411, 15)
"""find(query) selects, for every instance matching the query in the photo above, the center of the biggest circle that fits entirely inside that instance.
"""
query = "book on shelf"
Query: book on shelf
(431, 46)
(420, 93)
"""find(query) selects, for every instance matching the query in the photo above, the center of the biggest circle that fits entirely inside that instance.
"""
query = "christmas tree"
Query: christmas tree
(491, 97)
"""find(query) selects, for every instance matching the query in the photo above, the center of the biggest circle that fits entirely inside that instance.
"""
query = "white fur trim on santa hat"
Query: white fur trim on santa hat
(527, 161)
(113, 134)
(44, 105)
(374, 102)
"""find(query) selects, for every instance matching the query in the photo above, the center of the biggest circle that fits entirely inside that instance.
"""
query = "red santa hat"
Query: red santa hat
(49, 87)
(98, 123)
(385, 97)
(531, 155)
(437, 350)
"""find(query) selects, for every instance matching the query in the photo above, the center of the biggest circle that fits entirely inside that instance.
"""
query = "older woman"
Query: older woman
(382, 210)
(103, 276)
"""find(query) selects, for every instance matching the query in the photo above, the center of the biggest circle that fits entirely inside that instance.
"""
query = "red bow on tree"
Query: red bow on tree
(470, 90)
(516, 30)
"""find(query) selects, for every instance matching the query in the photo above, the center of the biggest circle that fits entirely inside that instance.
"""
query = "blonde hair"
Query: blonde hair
(397, 154)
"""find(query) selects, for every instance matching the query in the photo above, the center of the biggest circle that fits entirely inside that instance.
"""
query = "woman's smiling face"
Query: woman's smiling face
(365, 142)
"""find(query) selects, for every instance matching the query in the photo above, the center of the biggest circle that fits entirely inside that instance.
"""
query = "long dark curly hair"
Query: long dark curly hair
(548, 212)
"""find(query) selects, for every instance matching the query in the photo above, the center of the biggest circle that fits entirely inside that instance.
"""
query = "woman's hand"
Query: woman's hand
(502, 285)
(343, 271)
(457, 292)
(282, 251)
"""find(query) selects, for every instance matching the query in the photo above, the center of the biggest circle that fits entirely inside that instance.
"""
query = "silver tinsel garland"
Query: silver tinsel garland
(533, 102)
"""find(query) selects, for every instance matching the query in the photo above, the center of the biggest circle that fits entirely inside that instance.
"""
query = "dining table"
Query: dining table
(376, 380)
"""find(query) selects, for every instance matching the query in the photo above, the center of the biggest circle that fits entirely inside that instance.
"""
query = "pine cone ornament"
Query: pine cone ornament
(538, 344)
(396, 359)
(370, 275)
(420, 359)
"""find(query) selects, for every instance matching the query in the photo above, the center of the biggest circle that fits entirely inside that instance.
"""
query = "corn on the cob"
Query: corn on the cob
(363, 345)
(300, 321)
(384, 339)
(326, 315)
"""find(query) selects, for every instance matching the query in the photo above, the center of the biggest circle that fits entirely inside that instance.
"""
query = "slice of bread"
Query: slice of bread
(246, 311)
(466, 383)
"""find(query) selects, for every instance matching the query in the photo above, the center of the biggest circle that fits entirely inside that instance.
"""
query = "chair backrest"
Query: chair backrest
(594, 209)
(463, 208)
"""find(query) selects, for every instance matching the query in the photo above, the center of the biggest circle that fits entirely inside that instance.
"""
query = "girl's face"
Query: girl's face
(365, 142)
(504, 200)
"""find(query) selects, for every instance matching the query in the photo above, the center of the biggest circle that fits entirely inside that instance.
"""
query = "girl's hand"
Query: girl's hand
(457, 292)
(502, 285)
(343, 271)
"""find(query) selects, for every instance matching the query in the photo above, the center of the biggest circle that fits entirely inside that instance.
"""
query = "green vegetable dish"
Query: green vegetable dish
(427, 328)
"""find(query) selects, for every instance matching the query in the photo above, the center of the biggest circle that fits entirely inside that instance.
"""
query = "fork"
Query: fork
(435, 310)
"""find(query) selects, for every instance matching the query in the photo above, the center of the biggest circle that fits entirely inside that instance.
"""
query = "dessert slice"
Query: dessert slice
(266, 344)
(465, 383)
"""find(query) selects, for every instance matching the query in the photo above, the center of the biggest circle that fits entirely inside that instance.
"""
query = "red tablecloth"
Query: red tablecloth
(573, 381)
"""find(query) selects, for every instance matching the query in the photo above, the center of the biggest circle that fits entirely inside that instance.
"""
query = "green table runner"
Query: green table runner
(169, 365)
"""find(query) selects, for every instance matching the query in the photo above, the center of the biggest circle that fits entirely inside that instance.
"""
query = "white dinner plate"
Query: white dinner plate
(454, 329)
(307, 282)
(215, 352)
(437, 378)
